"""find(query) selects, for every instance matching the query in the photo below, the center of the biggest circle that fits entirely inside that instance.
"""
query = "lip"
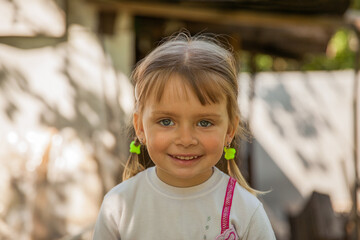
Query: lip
(185, 159)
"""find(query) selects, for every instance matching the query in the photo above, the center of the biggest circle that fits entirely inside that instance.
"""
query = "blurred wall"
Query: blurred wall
(303, 128)
(65, 100)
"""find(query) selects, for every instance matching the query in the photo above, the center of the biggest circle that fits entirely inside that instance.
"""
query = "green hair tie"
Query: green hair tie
(134, 149)
(229, 153)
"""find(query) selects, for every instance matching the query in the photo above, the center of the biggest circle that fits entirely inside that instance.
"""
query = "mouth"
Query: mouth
(185, 157)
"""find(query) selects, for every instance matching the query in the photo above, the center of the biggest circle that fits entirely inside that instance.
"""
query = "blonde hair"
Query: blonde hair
(211, 72)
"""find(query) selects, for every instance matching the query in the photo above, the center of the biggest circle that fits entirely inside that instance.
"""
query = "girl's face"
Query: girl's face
(184, 138)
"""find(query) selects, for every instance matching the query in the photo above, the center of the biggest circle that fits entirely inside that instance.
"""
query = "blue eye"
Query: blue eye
(166, 122)
(204, 123)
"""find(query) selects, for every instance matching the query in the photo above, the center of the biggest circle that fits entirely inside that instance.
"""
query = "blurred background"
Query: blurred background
(66, 99)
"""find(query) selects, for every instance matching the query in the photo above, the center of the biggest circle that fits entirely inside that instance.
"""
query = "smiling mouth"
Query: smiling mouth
(186, 158)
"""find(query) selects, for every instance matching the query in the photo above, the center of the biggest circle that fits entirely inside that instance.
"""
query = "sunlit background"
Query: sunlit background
(66, 100)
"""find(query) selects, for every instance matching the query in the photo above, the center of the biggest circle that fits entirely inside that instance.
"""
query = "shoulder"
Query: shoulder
(114, 205)
(253, 217)
(245, 198)
(126, 189)
(243, 202)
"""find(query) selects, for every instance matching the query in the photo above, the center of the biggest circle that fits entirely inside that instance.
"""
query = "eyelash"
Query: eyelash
(171, 123)
(162, 122)
(208, 123)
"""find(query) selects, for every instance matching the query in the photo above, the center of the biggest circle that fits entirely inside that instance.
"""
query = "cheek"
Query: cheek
(213, 144)
(157, 141)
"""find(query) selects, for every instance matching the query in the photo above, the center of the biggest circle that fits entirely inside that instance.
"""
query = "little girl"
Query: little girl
(186, 119)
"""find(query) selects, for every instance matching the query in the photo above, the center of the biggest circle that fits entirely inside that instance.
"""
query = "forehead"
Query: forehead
(179, 88)
(175, 89)
(178, 99)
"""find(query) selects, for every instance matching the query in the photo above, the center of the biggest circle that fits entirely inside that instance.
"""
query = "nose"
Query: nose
(186, 136)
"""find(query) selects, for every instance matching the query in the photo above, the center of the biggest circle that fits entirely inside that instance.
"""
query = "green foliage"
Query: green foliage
(355, 4)
(263, 62)
(340, 53)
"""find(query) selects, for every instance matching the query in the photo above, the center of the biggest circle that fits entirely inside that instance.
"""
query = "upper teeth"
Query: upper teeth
(186, 158)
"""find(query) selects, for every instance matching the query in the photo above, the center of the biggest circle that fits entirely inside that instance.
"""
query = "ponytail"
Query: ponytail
(232, 168)
(136, 162)
(234, 171)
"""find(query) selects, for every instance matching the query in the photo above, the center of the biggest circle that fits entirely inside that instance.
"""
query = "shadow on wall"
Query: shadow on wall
(269, 177)
(303, 130)
(275, 181)
(304, 121)
(61, 120)
(63, 89)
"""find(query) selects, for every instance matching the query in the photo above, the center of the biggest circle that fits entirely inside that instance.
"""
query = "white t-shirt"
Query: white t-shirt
(144, 207)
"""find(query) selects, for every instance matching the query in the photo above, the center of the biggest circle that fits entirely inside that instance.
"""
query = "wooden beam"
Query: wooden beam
(219, 16)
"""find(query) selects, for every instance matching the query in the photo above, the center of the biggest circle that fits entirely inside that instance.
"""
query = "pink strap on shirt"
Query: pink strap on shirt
(225, 218)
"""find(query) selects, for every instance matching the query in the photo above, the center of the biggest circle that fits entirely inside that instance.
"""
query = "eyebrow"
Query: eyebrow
(213, 115)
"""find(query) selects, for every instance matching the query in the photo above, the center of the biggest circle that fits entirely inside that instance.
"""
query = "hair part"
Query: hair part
(211, 72)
